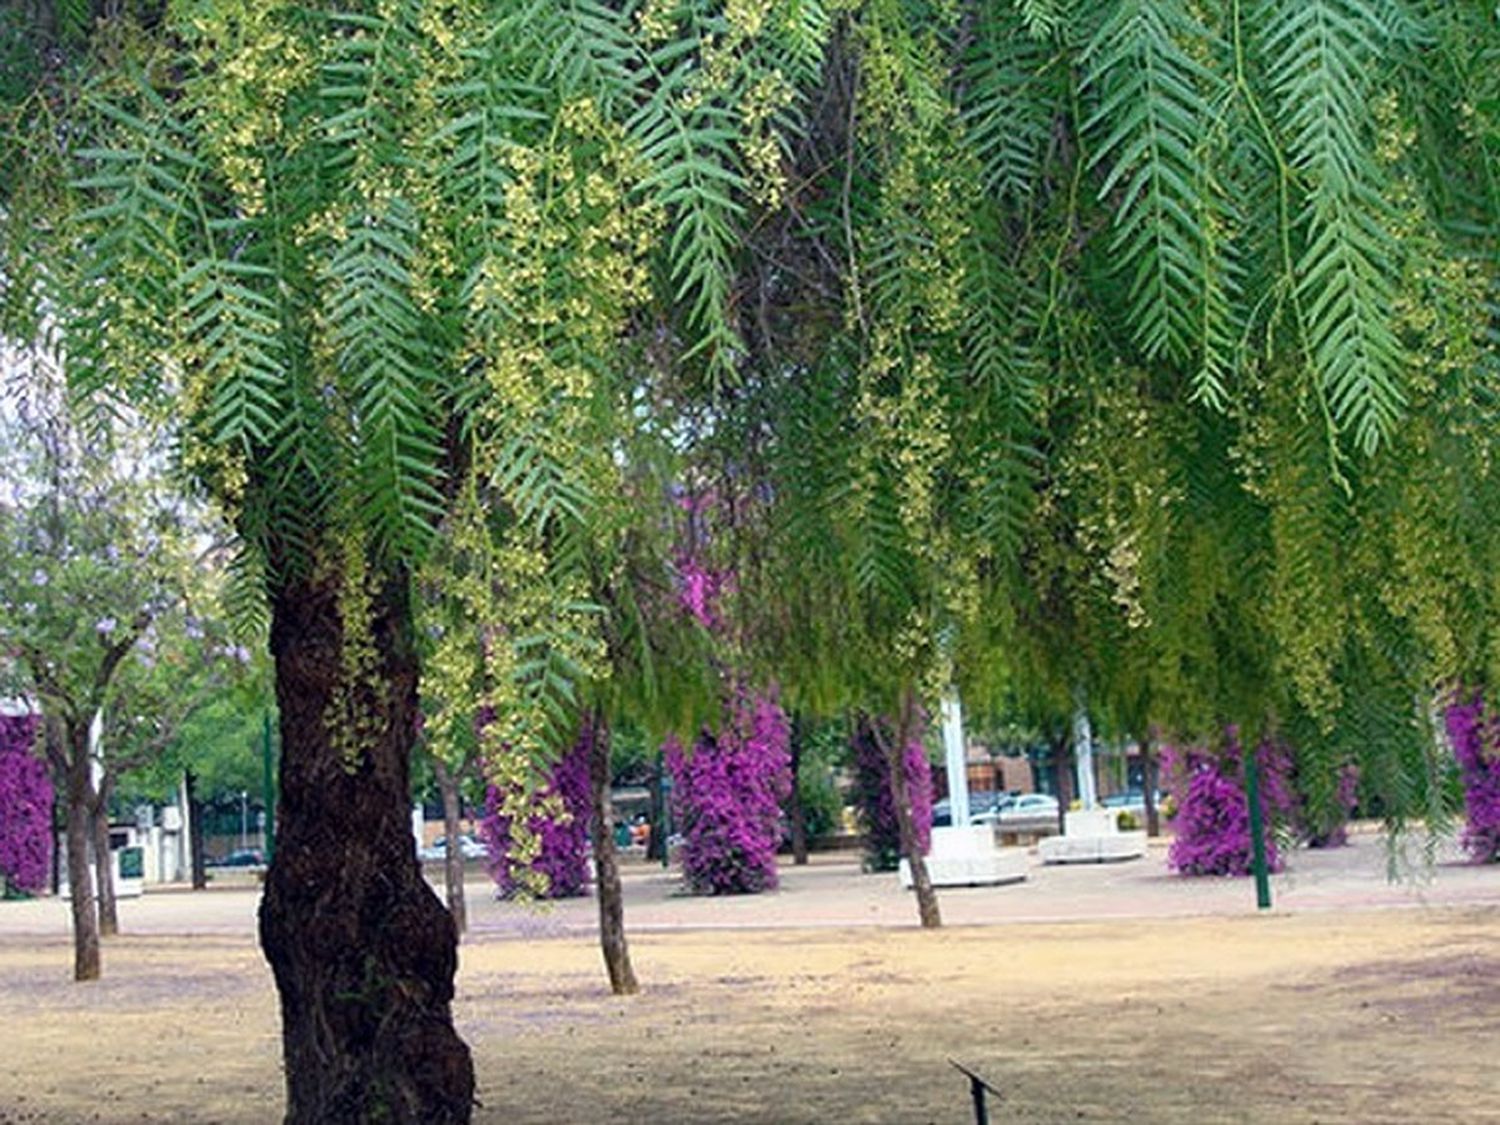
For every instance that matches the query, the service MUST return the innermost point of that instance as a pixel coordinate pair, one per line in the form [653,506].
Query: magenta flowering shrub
[25,807]
[872,793]
[1474,732]
[726,798]
[1212,822]
[564,855]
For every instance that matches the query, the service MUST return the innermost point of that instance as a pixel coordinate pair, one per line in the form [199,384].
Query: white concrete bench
[1092,836]
[1092,849]
[967,857]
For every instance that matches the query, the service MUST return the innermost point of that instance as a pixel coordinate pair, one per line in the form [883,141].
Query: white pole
[956,757]
[244,819]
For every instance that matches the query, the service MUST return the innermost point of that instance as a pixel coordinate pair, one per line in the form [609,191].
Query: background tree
[97,552]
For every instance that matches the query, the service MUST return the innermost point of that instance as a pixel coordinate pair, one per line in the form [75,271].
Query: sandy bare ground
[1353,1013]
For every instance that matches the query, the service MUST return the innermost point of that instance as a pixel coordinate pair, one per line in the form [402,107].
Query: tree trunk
[656,841]
[80,882]
[612,941]
[795,812]
[1149,770]
[362,951]
[1062,765]
[104,864]
[895,754]
[453,856]
[195,831]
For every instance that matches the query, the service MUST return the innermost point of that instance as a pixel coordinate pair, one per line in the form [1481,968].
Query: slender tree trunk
[895,755]
[795,812]
[612,941]
[453,858]
[1062,764]
[362,951]
[1149,770]
[80,881]
[656,841]
[195,831]
[104,861]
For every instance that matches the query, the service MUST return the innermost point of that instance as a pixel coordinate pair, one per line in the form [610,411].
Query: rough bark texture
[362,950]
[894,748]
[80,882]
[612,940]
[195,831]
[796,814]
[453,855]
[104,866]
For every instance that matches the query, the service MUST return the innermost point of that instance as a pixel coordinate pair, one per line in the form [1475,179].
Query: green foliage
[1136,347]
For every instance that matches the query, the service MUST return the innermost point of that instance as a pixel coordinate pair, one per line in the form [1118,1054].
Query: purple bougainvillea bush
[25,807]
[1212,822]
[1474,732]
[872,791]
[726,798]
[560,825]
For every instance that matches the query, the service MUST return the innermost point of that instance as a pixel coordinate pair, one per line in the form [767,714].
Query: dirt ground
[1357,1014]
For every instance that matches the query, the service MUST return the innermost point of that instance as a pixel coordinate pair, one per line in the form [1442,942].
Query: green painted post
[1257,833]
[268,785]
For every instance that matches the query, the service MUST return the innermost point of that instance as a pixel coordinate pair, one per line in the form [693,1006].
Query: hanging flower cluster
[872,790]
[1213,815]
[1474,732]
[726,798]
[700,587]
[558,824]
[25,807]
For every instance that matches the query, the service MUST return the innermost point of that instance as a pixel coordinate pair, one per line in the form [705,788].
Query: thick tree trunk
[895,754]
[104,863]
[612,941]
[195,831]
[80,881]
[362,950]
[795,812]
[453,858]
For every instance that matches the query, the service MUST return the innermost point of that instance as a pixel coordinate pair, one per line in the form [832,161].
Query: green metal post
[268,785]
[1257,833]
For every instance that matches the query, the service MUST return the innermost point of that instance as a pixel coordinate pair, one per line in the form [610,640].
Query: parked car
[468,847]
[985,807]
[1029,806]
[241,857]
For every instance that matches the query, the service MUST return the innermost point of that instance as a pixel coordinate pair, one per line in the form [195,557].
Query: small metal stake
[977,1088]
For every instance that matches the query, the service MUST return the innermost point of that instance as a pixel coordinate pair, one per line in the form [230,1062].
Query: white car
[468,847]
[1030,806]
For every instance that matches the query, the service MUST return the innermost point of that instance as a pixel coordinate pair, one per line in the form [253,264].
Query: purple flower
[872,780]
[105,626]
[726,797]
[1213,815]
[563,858]
[25,807]
[1474,732]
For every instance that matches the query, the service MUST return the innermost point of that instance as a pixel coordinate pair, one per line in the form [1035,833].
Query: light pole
[244,819]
